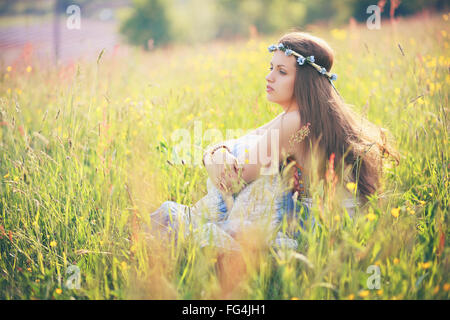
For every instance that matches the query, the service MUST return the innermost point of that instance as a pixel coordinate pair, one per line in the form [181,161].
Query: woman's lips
[269,89]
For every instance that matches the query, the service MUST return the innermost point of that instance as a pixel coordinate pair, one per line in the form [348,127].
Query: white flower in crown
[272,48]
[301,60]
[310,59]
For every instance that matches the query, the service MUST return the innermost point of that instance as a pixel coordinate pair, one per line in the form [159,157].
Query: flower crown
[301,61]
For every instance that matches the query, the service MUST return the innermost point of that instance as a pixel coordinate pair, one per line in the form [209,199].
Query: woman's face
[281,79]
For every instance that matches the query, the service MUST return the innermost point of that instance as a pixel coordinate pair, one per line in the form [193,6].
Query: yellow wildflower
[436,289]
[426,265]
[351,296]
[9,68]
[380,292]
[446,287]
[395,212]
[295,298]
[339,34]
[371,216]
[58,291]
[396,261]
[364,293]
[29,68]
[53,244]
[351,186]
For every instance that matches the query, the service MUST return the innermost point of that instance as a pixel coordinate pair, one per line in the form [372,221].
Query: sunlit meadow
[84,150]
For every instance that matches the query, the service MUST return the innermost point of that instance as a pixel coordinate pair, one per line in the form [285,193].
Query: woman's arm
[218,164]
[264,157]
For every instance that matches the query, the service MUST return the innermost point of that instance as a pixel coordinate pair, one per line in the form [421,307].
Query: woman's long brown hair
[335,127]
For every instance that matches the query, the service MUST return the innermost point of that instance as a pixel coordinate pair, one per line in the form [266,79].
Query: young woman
[315,130]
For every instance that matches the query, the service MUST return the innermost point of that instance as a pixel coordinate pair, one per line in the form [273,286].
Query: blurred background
[48,29]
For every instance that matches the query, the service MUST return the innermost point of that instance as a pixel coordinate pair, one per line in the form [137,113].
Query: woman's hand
[224,171]
[224,168]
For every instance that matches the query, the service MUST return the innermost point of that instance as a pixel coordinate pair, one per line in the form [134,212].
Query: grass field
[83,161]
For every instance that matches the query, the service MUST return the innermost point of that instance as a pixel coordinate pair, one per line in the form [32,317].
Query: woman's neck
[291,107]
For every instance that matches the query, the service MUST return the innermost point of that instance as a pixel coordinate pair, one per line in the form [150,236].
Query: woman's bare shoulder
[268,125]
[289,127]
[289,123]
[285,124]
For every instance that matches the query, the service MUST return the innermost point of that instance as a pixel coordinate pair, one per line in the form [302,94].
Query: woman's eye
[282,72]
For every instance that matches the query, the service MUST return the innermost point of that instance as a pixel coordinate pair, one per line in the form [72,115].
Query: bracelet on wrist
[214,150]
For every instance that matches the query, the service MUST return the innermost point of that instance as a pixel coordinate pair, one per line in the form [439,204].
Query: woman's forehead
[279,58]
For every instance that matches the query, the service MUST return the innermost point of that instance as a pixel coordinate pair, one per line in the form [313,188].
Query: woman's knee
[162,214]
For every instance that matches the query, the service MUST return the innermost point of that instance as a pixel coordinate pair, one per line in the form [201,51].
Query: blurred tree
[406,7]
[148,21]
[201,20]
[235,16]
[319,10]
[5,6]
[229,18]
[285,14]
[192,21]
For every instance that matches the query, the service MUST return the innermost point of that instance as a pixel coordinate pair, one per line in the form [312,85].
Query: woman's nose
[269,77]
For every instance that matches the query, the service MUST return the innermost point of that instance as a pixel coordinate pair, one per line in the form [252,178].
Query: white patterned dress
[263,202]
